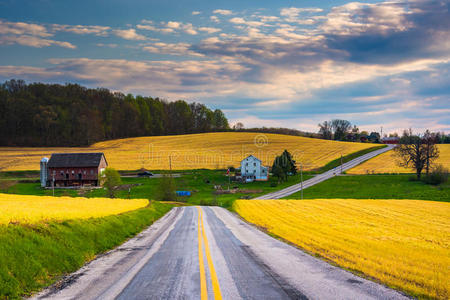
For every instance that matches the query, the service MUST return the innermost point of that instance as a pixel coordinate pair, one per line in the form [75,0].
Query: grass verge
[35,256]
[337,162]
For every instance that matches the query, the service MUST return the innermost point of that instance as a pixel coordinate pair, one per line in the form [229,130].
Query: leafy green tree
[112,181]
[288,163]
[166,189]
[278,170]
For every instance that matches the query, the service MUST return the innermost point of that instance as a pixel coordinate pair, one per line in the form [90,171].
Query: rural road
[207,252]
[323,176]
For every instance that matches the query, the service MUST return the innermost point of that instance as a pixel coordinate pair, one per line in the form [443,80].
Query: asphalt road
[324,176]
[207,252]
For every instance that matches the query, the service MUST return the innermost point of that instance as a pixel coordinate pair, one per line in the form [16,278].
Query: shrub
[166,189]
[438,175]
[273,184]
[112,181]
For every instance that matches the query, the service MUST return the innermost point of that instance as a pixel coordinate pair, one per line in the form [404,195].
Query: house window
[254,164]
[84,172]
[62,173]
[246,164]
[92,172]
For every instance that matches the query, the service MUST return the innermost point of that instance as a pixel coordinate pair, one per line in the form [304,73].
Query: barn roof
[63,160]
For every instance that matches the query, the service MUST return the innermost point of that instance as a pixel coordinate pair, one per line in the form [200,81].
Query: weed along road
[209,253]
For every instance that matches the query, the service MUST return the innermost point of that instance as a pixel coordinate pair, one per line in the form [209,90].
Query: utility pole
[53,184]
[170,166]
[341,163]
[301,179]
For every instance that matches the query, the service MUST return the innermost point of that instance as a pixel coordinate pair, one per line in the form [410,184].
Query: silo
[44,171]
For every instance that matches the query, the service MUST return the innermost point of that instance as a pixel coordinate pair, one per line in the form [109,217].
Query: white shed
[252,169]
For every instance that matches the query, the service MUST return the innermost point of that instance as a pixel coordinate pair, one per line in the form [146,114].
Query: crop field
[387,163]
[403,243]
[194,151]
[31,209]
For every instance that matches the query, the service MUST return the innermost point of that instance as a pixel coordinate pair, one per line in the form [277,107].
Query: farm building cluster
[85,169]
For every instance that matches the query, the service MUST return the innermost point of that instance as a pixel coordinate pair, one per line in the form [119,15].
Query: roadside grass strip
[203,244]
[36,255]
[388,163]
[31,209]
[192,151]
[404,244]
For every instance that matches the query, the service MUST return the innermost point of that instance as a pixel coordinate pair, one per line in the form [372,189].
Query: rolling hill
[192,151]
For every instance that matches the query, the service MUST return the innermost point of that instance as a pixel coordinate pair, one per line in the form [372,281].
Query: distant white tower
[44,171]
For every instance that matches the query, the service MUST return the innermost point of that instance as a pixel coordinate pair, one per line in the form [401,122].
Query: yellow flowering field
[387,163]
[32,209]
[192,151]
[403,243]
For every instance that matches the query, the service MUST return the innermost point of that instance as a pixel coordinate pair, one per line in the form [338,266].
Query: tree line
[39,114]
[343,130]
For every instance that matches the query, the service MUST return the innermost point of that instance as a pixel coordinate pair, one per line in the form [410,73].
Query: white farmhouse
[252,169]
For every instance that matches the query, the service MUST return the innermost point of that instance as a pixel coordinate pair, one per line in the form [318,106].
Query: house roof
[251,156]
[63,160]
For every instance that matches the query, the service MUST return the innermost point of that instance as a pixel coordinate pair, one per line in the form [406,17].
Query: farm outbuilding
[75,169]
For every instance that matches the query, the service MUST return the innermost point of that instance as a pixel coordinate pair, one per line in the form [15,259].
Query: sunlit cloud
[129,34]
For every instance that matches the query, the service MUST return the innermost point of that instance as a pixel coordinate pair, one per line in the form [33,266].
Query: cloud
[196,12]
[224,12]
[21,28]
[171,49]
[154,28]
[292,14]
[173,25]
[189,29]
[245,22]
[209,30]
[169,27]
[33,41]
[214,19]
[107,45]
[26,34]
[81,29]
[129,34]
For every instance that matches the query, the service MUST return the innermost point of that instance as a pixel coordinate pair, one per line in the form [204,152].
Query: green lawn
[199,182]
[34,256]
[375,187]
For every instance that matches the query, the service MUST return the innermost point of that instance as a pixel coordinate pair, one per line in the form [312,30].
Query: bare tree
[325,130]
[415,152]
[340,128]
[238,126]
[431,151]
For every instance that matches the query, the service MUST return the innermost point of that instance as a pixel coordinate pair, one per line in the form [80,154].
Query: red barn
[76,169]
[390,140]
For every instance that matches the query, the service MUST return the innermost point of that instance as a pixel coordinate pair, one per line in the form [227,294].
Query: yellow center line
[203,292]
[214,280]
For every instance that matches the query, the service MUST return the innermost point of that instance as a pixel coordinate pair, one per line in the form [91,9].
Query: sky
[264,63]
